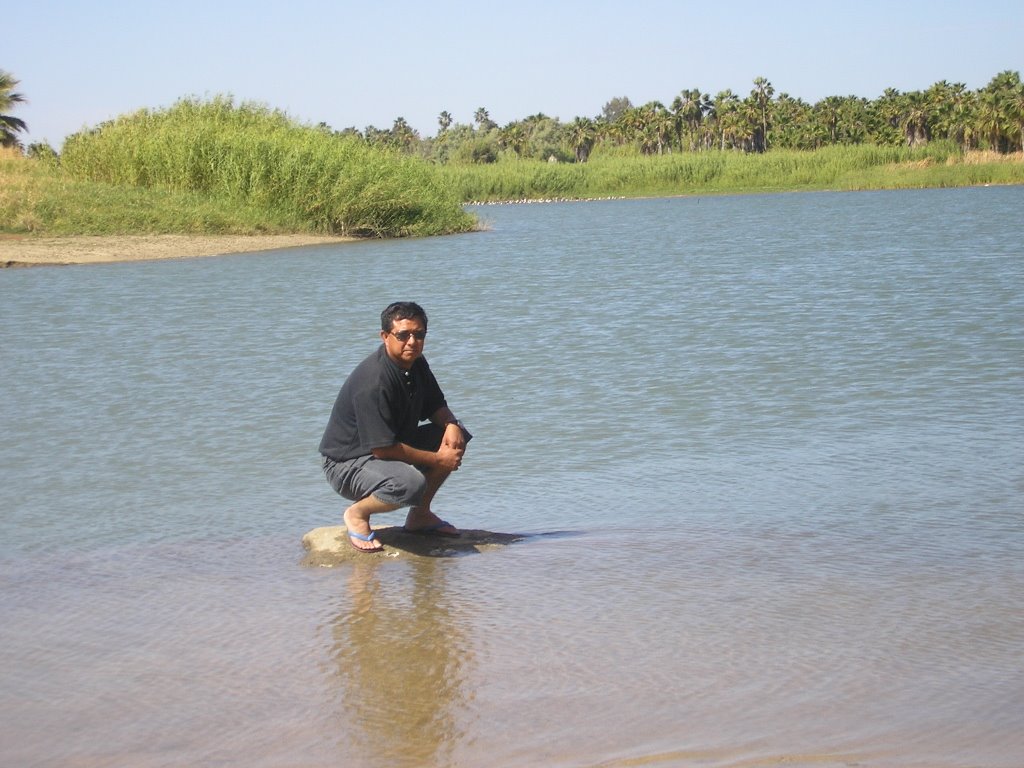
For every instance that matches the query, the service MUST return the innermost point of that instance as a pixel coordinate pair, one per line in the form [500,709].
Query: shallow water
[767,449]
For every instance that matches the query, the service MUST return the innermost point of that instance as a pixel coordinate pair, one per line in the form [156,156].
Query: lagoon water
[769,452]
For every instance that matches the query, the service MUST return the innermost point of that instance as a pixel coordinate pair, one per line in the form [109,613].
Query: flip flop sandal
[371,537]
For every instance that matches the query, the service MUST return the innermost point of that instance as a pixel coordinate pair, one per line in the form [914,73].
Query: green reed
[715,172]
[322,181]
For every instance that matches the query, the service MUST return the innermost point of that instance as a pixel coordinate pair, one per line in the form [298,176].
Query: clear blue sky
[365,63]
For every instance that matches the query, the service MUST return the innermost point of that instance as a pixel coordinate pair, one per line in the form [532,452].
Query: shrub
[334,183]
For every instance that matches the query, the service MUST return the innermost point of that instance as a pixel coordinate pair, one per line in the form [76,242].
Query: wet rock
[329,546]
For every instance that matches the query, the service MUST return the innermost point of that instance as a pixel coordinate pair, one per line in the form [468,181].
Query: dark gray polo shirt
[380,405]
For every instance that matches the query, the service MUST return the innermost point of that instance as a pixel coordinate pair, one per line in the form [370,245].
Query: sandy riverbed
[16,251]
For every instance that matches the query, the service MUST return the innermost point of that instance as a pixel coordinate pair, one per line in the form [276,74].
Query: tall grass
[320,181]
[37,196]
[216,168]
[838,168]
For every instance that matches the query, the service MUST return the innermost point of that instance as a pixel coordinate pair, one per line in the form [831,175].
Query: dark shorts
[393,482]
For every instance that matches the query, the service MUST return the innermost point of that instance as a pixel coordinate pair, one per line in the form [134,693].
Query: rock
[329,546]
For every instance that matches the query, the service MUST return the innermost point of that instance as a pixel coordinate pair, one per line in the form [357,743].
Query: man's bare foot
[360,534]
[424,521]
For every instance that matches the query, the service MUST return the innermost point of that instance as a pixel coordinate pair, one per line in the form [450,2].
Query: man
[375,451]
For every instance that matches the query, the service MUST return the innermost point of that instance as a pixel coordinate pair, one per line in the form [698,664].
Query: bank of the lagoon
[26,251]
[42,204]
[214,168]
[858,168]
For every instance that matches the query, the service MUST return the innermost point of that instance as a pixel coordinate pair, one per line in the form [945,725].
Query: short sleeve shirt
[380,404]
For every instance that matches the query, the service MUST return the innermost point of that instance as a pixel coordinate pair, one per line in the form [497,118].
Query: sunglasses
[403,336]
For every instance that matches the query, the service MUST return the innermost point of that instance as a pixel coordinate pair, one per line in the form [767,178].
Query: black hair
[402,310]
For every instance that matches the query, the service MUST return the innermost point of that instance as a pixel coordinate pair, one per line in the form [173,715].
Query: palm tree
[1001,97]
[662,124]
[887,112]
[749,126]
[727,116]
[376,137]
[762,97]
[709,126]
[631,126]
[828,113]
[513,136]
[444,120]
[1015,108]
[483,121]
[403,134]
[9,125]
[915,119]
[650,126]
[793,124]
[842,120]
[990,118]
[689,109]
[581,138]
[616,131]
[951,106]
[939,104]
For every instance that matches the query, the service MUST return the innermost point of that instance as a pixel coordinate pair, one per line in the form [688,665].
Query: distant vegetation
[323,182]
[214,167]
[10,125]
[990,118]
[832,168]
[37,196]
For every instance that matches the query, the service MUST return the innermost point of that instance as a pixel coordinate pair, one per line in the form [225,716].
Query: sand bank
[18,251]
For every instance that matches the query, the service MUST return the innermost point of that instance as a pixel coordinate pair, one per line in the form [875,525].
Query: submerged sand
[23,251]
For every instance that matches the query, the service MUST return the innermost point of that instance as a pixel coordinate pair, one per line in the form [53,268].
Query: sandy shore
[18,251]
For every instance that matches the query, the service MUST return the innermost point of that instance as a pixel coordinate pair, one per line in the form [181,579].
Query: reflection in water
[403,661]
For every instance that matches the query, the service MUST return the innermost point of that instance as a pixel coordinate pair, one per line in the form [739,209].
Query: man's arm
[446,457]
[454,433]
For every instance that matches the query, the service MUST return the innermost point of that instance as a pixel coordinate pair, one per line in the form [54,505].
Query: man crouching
[375,451]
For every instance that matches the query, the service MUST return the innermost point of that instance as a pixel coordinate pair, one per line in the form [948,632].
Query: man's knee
[408,486]
[392,482]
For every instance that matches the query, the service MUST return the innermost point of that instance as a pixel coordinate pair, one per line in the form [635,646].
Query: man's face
[404,352]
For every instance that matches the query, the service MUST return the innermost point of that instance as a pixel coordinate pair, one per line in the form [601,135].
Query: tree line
[990,118]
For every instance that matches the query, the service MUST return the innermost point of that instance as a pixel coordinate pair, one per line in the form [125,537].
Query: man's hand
[449,457]
[454,437]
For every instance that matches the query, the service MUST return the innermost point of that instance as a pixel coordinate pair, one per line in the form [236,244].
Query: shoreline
[34,251]
[30,251]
